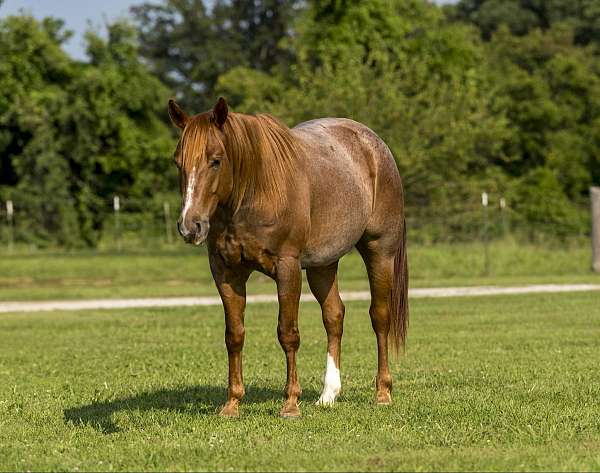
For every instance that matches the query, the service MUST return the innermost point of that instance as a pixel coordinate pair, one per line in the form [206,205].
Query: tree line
[494,95]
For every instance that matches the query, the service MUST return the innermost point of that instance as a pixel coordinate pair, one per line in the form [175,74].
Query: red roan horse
[268,198]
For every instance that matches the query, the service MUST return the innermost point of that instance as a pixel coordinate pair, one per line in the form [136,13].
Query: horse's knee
[234,338]
[289,338]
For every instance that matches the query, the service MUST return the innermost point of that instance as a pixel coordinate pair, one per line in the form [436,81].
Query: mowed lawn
[489,383]
[185,271]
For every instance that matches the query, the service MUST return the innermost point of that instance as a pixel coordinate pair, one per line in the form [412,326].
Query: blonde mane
[262,151]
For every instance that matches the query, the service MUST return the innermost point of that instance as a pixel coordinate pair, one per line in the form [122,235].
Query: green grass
[495,383]
[185,273]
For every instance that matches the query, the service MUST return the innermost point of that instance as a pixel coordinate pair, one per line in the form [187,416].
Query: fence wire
[134,224]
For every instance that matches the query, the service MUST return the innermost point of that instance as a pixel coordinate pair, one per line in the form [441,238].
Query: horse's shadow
[198,400]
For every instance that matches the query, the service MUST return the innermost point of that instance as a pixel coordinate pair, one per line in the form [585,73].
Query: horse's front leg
[289,285]
[231,283]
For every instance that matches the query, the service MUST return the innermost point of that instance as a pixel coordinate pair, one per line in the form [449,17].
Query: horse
[276,200]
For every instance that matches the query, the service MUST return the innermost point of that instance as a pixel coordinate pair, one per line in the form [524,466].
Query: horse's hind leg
[323,284]
[380,268]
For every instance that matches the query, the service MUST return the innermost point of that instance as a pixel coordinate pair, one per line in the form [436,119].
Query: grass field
[494,383]
[185,272]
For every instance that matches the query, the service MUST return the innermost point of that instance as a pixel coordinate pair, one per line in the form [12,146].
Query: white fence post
[167,212]
[486,242]
[504,217]
[117,209]
[10,210]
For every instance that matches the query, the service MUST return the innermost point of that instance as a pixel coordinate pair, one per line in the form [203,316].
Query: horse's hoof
[290,412]
[384,399]
[230,411]
[326,399]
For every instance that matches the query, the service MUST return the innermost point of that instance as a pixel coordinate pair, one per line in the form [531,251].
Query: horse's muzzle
[197,234]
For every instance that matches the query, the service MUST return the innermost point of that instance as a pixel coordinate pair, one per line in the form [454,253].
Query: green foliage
[493,383]
[75,134]
[34,73]
[188,44]
[484,95]
[521,16]
[408,75]
[185,272]
[538,197]
[549,90]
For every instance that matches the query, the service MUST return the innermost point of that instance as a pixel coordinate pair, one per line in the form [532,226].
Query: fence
[132,225]
[127,224]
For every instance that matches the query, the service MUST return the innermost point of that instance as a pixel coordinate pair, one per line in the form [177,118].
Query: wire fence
[134,225]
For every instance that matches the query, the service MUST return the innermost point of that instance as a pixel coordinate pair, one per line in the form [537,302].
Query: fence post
[504,217]
[167,211]
[595,205]
[10,210]
[117,208]
[484,203]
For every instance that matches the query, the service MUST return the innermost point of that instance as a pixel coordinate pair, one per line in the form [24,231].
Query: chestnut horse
[277,200]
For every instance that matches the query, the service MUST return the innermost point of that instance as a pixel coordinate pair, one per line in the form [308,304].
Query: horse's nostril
[198,226]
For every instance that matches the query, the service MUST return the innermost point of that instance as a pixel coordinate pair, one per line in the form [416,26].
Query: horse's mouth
[198,239]
[195,239]
[200,236]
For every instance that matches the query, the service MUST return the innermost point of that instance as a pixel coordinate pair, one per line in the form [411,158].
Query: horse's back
[355,187]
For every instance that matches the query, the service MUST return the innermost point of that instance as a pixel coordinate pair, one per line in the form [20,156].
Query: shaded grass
[495,383]
[186,273]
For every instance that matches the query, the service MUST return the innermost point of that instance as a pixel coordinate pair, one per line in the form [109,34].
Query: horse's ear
[220,112]
[178,116]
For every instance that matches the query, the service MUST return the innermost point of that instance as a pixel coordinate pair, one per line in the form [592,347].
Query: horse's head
[205,173]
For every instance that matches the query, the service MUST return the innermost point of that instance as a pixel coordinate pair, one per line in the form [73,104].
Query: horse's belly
[337,223]
[324,255]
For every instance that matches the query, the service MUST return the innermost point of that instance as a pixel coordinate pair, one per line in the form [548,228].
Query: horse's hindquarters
[354,187]
[341,206]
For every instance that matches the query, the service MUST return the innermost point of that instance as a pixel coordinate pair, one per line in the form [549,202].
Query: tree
[73,134]
[188,45]
[33,75]
[550,92]
[118,142]
[398,68]
[521,16]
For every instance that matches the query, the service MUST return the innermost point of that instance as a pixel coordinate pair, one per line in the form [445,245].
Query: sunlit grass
[186,272]
[495,383]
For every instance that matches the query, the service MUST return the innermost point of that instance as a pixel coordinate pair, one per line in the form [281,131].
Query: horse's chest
[245,251]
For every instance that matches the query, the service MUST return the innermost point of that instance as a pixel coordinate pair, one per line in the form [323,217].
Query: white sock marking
[332,383]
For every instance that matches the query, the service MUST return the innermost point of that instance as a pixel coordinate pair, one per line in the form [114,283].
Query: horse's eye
[215,163]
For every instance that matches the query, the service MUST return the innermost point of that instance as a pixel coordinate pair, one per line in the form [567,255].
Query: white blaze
[189,195]
[332,383]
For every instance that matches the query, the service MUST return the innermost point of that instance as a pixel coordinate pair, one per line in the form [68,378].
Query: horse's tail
[398,304]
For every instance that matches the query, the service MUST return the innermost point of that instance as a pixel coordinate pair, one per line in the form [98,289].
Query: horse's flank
[263,153]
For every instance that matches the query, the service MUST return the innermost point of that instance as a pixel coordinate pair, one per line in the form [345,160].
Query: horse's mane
[262,151]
